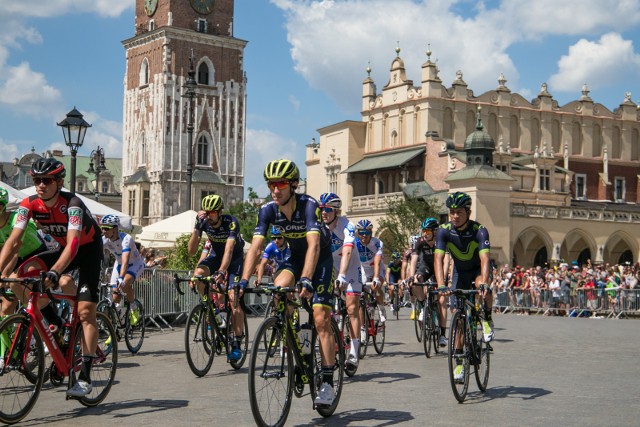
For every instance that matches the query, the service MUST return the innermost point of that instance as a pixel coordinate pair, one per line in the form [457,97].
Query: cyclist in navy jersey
[297,217]
[394,277]
[276,252]
[66,218]
[225,256]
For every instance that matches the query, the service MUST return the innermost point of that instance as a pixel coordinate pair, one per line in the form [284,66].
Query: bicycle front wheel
[459,359]
[338,370]
[362,350]
[396,302]
[350,370]
[243,341]
[270,375]
[134,333]
[482,358]
[22,373]
[418,324]
[379,328]
[427,333]
[199,340]
[105,362]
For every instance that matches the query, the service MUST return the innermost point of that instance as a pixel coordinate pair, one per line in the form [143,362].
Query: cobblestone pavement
[544,371]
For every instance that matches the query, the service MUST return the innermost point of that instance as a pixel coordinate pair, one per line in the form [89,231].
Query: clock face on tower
[150,6]
[202,6]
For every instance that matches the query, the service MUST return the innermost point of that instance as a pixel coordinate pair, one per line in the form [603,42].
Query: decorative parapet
[582,214]
[363,203]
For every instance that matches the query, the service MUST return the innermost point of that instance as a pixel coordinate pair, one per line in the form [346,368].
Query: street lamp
[190,93]
[74,128]
[97,158]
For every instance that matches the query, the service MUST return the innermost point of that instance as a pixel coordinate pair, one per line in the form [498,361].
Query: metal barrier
[605,302]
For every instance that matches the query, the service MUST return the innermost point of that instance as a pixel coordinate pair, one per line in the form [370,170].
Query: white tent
[15,196]
[163,234]
[97,209]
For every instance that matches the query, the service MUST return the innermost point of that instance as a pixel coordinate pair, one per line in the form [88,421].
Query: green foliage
[179,258]
[404,217]
[247,215]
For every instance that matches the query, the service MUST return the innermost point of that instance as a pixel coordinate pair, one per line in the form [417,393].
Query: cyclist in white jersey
[129,263]
[346,266]
[371,265]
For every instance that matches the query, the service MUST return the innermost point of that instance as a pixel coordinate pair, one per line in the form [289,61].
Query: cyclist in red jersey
[66,218]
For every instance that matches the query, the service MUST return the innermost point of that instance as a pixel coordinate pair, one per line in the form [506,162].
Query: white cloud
[9,150]
[600,63]
[49,8]
[262,147]
[27,91]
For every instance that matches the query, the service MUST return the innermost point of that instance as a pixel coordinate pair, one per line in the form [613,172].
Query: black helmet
[458,200]
[48,166]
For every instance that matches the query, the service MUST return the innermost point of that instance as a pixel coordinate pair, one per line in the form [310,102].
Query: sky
[306,59]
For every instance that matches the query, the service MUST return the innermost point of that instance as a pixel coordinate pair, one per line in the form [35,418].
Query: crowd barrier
[609,303]
[165,307]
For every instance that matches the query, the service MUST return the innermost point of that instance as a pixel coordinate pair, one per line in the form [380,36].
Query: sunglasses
[277,238]
[45,181]
[364,233]
[107,228]
[280,185]
[210,212]
[327,210]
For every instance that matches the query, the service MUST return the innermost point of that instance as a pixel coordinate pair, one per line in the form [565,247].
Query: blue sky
[306,60]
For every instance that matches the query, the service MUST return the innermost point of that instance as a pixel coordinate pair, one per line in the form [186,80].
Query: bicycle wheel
[427,333]
[459,386]
[105,363]
[482,357]
[362,350]
[199,339]
[134,334]
[338,370]
[268,311]
[350,370]
[270,375]
[418,324]
[396,302]
[242,340]
[379,330]
[22,374]
[435,327]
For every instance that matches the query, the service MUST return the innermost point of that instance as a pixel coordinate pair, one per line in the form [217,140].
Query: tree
[178,258]
[247,215]
[403,219]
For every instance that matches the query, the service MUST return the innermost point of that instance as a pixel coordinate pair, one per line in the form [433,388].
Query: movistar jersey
[463,246]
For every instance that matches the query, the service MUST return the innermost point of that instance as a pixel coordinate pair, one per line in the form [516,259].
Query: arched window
[535,133]
[576,138]
[394,138]
[555,137]
[447,125]
[203,74]
[142,151]
[514,132]
[105,187]
[203,151]
[597,141]
[635,148]
[616,144]
[144,72]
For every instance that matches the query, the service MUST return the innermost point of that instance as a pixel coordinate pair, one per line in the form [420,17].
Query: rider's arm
[194,241]
[485,266]
[9,253]
[228,252]
[252,256]
[344,259]
[313,252]
[438,266]
[260,269]
[414,263]
[69,252]
[125,263]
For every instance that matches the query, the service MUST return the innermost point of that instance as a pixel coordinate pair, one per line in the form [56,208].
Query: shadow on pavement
[524,393]
[356,417]
[382,377]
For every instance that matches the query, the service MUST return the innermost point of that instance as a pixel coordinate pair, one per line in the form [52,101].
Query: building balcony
[373,202]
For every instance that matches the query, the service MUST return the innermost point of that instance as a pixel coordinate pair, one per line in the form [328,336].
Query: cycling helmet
[395,255]
[275,231]
[330,200]
[430,223]
[4,197]
[413,240]
[281,169]
[109,221]
[458,200]
[212,202]
[48,166]
[364,224]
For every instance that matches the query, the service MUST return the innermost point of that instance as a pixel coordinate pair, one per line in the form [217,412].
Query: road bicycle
[280,366]
[122,317]
[395,303]
[206,333]
[428,311]
[372,322]
[466,326]
[341,316]
[22,356]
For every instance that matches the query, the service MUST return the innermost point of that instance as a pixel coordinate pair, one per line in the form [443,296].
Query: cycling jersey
[69,213]
[31,241]
[229,229]
[425,253]
[394,271]
[367,255]
[278,255]
[123,244]
[343,235]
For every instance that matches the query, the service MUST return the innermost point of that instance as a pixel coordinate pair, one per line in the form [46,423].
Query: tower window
[581,186]
[152,25]
[201,25]
[203,74]
[144,72]
[619,188]
[203,150]
[545,180]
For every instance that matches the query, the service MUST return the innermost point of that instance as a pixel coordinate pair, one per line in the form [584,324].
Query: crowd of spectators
[565,290]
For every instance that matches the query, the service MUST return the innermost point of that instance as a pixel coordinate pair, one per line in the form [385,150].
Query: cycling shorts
[322,279]
[133,269]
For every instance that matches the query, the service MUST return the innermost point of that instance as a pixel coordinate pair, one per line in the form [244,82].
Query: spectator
[153,261]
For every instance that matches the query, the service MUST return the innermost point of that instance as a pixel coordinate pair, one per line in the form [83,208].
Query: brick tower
[170,37]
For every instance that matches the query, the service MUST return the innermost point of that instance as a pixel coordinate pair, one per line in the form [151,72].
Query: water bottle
[304,338]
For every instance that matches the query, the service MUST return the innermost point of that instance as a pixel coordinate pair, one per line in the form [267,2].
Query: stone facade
[156,112]
[573,187]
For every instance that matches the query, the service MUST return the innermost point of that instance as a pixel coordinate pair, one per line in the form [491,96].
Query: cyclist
[406,271]
[394,277]
[422,269]
[277,252]
[66,218]
[346,266]
[297,217]
[225,258]
[372,268]
[467,242]
[128,265]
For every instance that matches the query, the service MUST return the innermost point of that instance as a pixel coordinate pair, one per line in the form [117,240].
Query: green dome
[479,139]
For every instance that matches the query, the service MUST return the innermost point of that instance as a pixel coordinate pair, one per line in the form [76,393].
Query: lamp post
[97,159]
[189,89]
[74,128]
